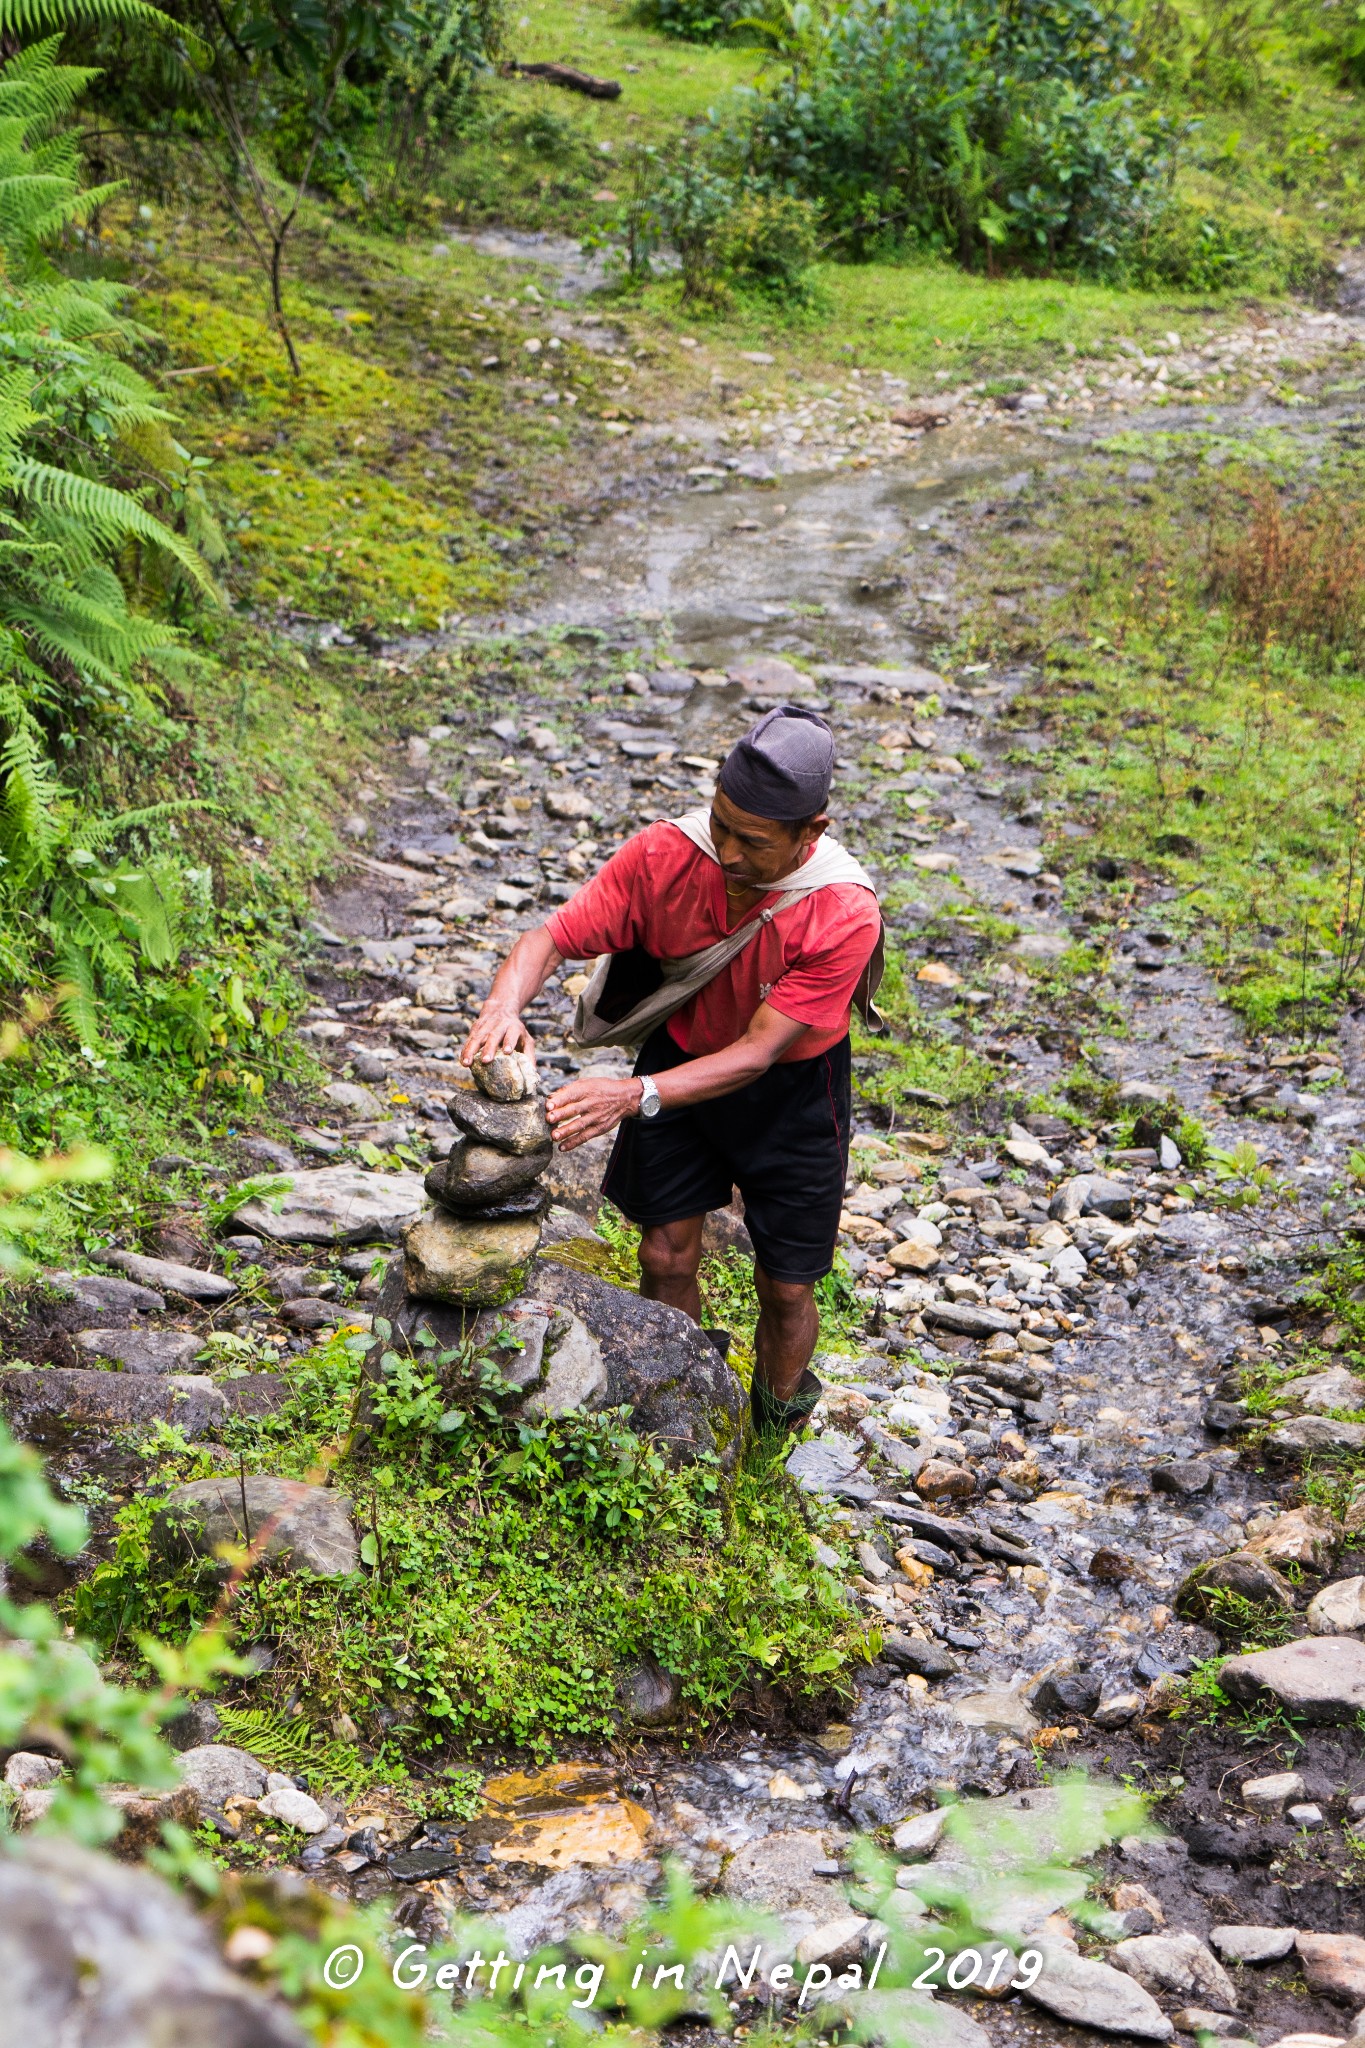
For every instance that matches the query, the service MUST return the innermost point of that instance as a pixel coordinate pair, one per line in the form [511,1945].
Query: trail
[845,568]
[1094,1434]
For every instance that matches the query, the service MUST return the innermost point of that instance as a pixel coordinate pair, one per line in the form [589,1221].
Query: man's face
[755,852]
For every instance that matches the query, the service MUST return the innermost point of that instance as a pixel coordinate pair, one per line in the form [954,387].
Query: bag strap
[688,976]
[682,979]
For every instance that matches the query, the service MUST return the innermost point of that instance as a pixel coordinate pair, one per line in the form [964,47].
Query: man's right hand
[496,1030]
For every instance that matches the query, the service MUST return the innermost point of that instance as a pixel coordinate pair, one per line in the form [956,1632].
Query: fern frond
[109,512]
[76,994]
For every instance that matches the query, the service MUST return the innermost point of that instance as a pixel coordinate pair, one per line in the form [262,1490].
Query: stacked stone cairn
[473,1248]
[467,1259]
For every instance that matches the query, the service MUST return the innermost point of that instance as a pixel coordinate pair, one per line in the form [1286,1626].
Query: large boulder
[468,1259]
[308,1529]
[338,1205]
[93,1952]
[659,1364]
[574,1179]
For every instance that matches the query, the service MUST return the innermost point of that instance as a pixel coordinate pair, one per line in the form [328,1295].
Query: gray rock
[1201,2019]
[575,1379]
[508,1076]
[308,1529]
[54,1405]
[902,2019]
[472,1175]
[102,1294]
[95,1954]
[284,1802]
[339,1205]
[1321,1678]
[965,1319]
[650,1696]
[919,1836]
[470,1260]
[1118,1710]
[1252,1944]
[1183,1477]
[1339,1609]
[1321,1391]
[1316,1434]
[266,1155]
[819,1465]
[1093,1995]
[510,1126]
[778,1872]
[1240,1572]
[1270,1795]
[141,1350]
[193,1726]
[1177,1965]
[219,1771]
[575,1178]
[352,1098]
[1067,1696]
[27,1771]
[659,1364]
[920,1654]
[166,1277]
[1068,1201]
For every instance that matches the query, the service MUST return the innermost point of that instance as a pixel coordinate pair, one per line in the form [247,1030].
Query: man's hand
[587,1108]
[496,1029]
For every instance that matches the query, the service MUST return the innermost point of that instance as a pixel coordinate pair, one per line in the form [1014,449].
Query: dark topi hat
[783,767]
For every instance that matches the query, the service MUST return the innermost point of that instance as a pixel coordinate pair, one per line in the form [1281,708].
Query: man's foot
[720,1339]
[779,1418]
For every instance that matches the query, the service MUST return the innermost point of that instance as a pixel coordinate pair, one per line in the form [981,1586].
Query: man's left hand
[588,1108]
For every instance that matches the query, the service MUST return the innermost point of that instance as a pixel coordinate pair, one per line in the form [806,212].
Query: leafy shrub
[1208,248]
[1018,135]
[692,21]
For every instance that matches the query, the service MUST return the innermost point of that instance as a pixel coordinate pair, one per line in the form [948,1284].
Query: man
[748,1082]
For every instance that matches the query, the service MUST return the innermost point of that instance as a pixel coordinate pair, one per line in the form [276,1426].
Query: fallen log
[573,81]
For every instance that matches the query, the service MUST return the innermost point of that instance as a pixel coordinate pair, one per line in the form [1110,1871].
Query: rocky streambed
[1036,1473]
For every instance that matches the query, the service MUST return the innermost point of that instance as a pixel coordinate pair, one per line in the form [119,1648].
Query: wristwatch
[651,1102]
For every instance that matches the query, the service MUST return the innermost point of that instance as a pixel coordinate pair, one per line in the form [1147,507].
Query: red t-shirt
[662,893]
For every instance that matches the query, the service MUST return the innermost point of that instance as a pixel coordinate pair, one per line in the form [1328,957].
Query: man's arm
[586,1108]
[523,974]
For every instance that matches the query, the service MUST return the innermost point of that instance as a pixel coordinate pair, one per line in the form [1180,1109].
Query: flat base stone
[338,1205]
[1321,1678]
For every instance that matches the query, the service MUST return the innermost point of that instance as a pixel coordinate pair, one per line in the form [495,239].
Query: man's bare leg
[670,1254]
[788,1325]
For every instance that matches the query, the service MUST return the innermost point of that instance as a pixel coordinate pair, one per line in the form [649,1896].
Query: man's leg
[670,1254]
[788,1325]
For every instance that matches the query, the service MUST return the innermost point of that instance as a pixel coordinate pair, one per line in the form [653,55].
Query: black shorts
[782,1140]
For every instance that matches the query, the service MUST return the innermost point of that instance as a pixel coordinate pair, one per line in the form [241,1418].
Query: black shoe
[722,1340]
[772,1417]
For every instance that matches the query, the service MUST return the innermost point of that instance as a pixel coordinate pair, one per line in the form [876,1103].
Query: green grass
[1188,751]
[510,1574]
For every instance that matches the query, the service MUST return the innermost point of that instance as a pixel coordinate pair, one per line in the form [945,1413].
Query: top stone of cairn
[507,1077]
